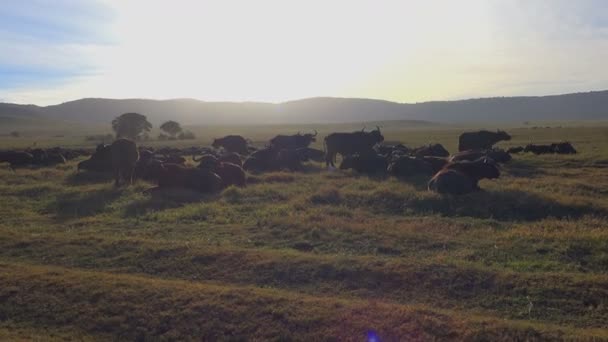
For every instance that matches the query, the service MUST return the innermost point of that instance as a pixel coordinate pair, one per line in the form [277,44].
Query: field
[317,255]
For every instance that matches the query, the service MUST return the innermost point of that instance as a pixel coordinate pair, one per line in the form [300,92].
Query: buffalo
[407,166]
[563,148]
[370,163]
[481,140]
[233,158]
[179,176]
[459,178]
[476,170]
[431,150]
[292,142]
[516,149]
[16,158]
[451,182]
[539,149]
[232,143]
[124,159]
[100,160]
[497,155]
[231,174]
[350,143]
[307,153]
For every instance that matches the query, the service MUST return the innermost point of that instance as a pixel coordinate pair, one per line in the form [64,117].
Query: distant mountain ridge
[577,106]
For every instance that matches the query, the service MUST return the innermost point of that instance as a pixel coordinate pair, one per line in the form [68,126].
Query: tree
[131,125]
[171,127]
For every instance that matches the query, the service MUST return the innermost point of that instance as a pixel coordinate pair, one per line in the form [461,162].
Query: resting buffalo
[497,155]
[232,143]
[179,176]
[307,153]
[539,149]
[16,158]
[100,161]
[233,158]
[563,148]
[451,182]
[124,159]
[292,142]
[462,177]
[517,149]
[432,150]
[476,170]
[350,143]
[370,163]
[407,166]
[437,163]
[262,160]
[231,174]
[482,140]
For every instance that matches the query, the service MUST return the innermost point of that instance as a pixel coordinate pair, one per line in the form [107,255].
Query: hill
[579,106]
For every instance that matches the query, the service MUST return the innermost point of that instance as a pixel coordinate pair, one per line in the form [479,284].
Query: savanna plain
[313,255]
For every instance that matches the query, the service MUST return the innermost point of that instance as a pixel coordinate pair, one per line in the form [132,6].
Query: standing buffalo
[292,142]
[124,159]
[350,143]
[232,143]
[481,140]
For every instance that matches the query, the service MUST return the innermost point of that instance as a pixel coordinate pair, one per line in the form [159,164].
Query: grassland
[316,255]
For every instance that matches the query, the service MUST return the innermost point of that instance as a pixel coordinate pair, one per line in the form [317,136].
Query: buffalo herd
[225,163]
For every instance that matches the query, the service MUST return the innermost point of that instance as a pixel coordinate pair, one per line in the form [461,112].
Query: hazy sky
[53,51]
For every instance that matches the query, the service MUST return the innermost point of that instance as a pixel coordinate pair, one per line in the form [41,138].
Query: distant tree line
[136,126]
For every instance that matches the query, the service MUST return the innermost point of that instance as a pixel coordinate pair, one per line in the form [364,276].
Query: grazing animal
[124,159]
[206,161]
[497,155]
[481,140]
[451,182]
[292,142]
[232,143]
[350,143]
[370,163]
[16,158]
[432,150]
[407,166]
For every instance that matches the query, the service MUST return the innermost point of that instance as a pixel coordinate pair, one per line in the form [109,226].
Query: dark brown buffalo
[347,144]
[563,148]
[231,174]
[451,182]
[370,163]
[481,140]
[232,143]
[124,156]
[233,158]
[292,142]
[262,160]
[431,150]
[206,161]
[16,159]
[476,170]
[437,163]
[307,154]
[539,149]
[179,176]
[497,155]
[407,166]
[516,149]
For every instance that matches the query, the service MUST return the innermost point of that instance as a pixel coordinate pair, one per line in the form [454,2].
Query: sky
[53,51]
